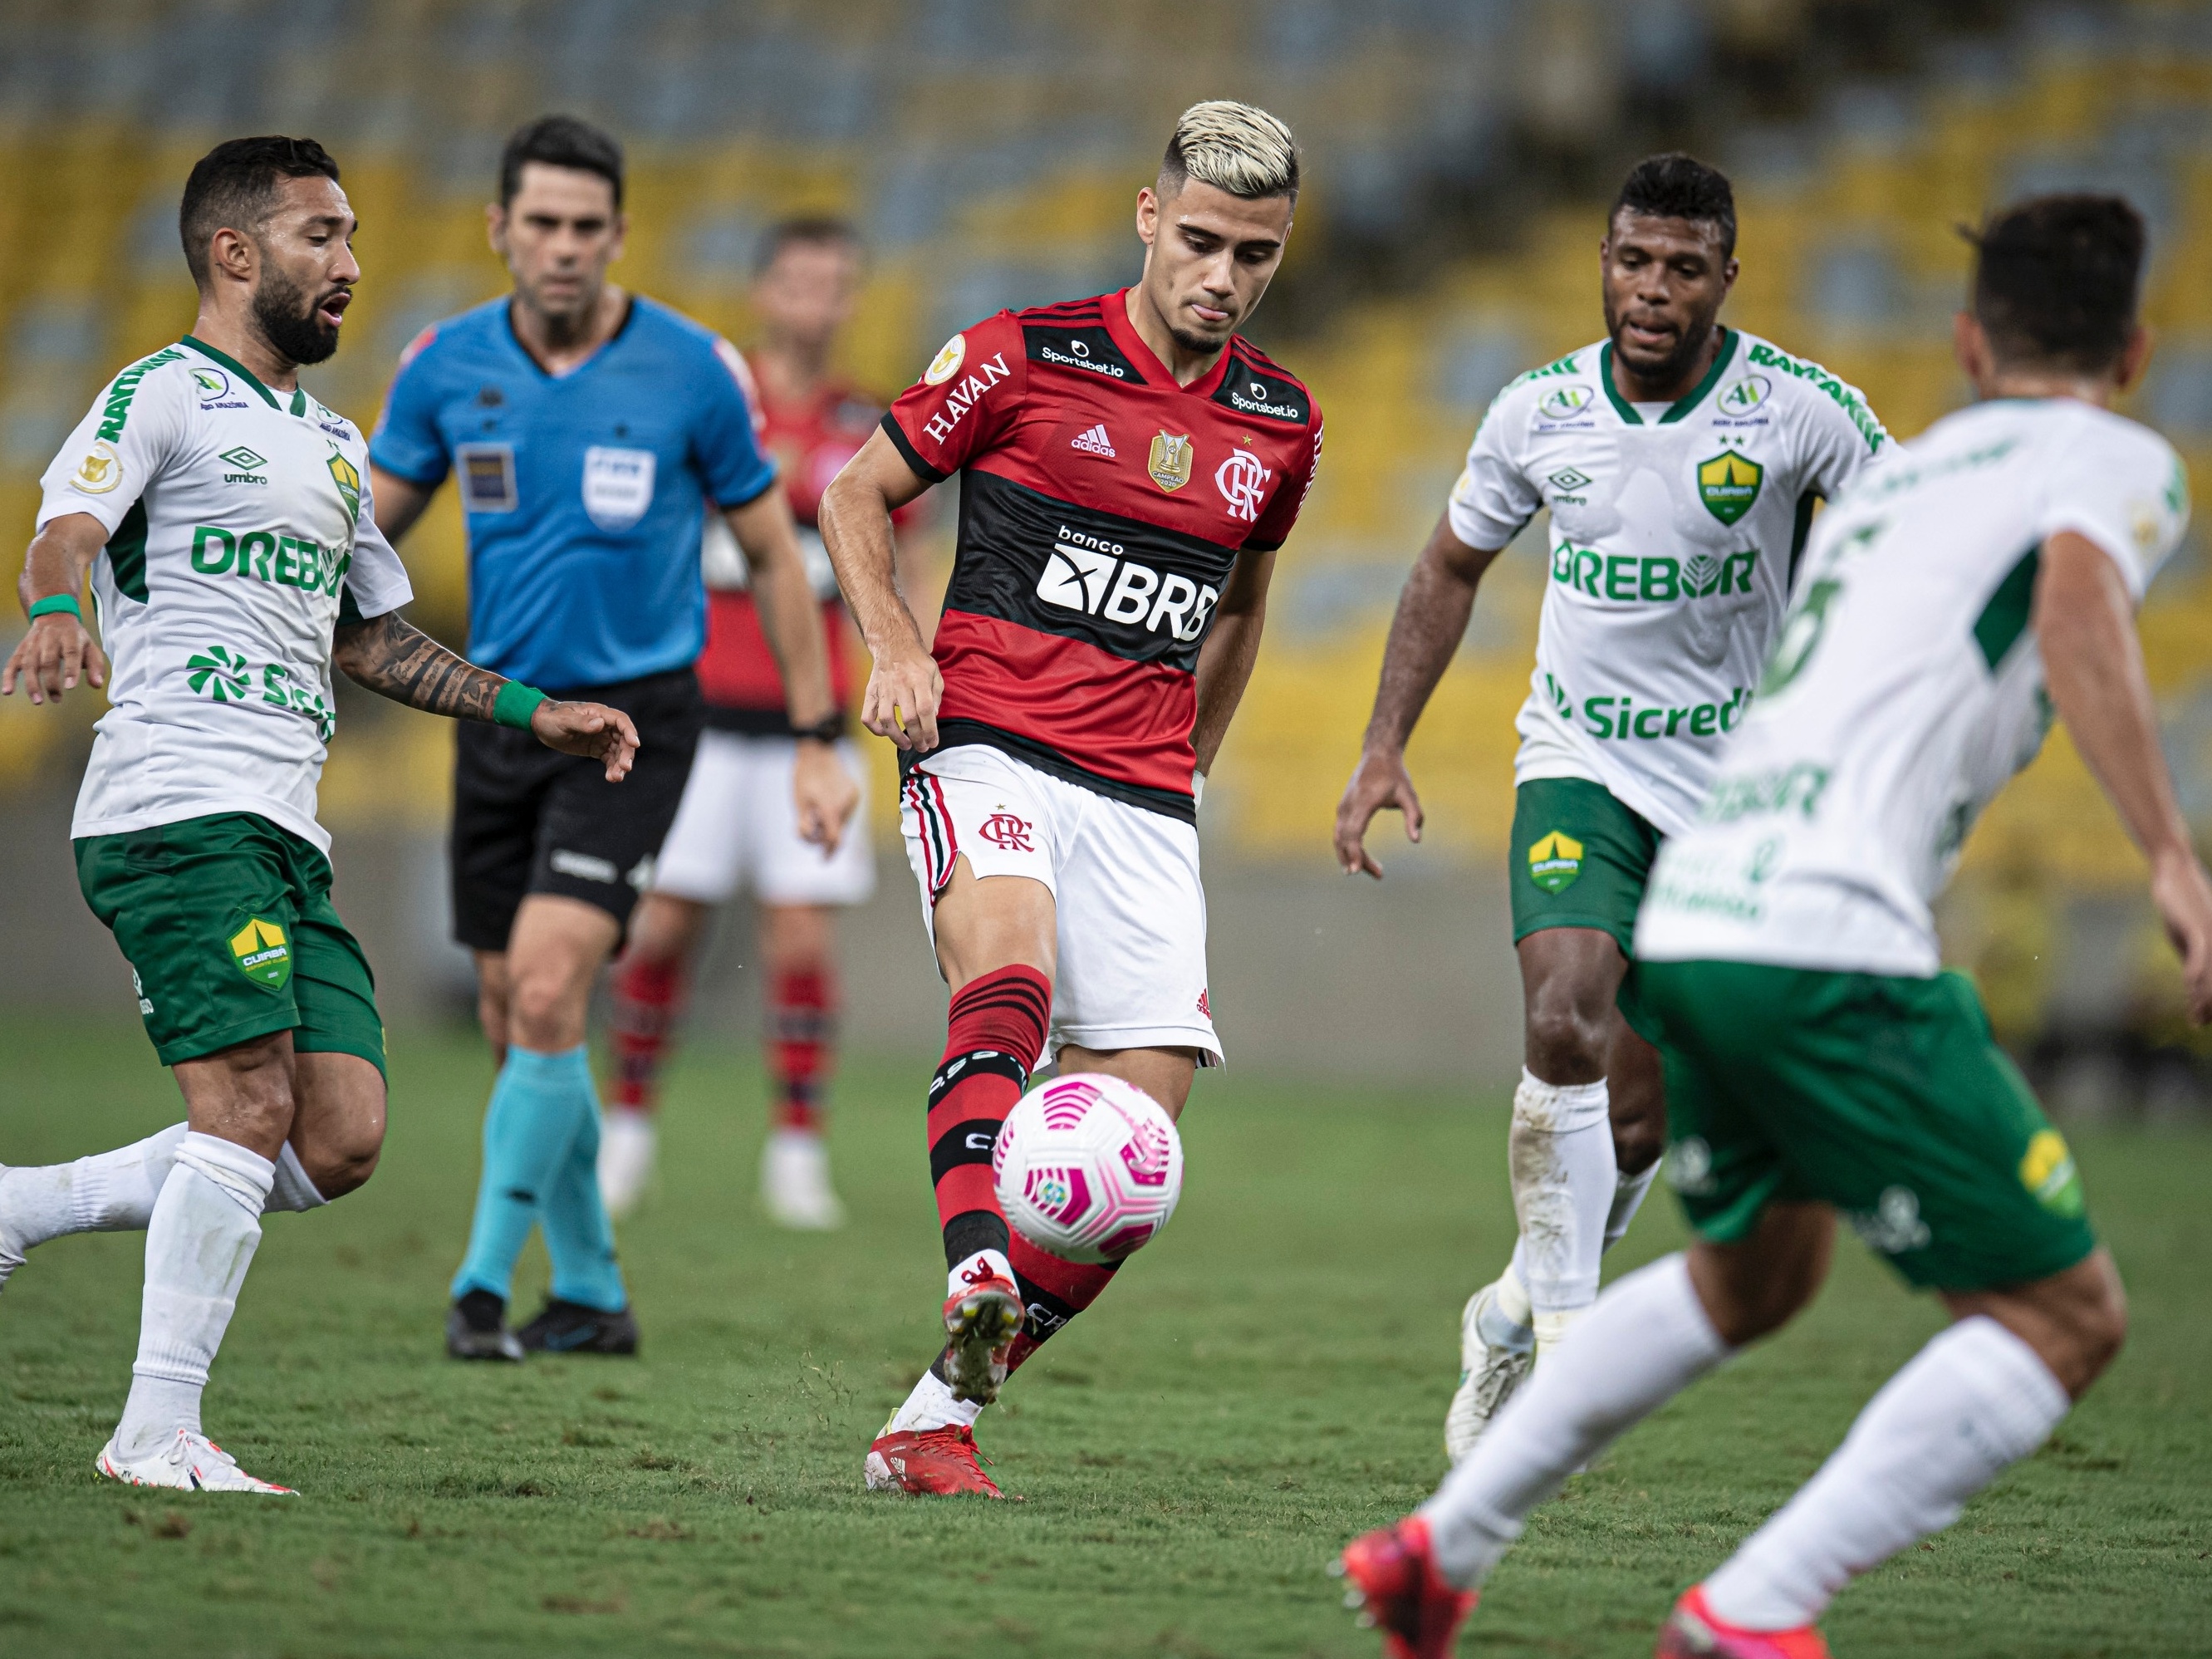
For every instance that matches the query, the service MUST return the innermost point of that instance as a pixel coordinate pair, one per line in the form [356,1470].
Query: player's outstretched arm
[58,651]
[791,619]
[2093,663]
[905,688]
[394,659]
[1431,619]
[1225,660]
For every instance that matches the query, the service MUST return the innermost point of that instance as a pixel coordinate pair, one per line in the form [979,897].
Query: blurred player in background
[738,825]
[1681,460]
[589,427]
[1129,464]
[1818,1057]
[220,514]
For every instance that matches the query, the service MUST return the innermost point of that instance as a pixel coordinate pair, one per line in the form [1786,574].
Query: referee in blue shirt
[589,428]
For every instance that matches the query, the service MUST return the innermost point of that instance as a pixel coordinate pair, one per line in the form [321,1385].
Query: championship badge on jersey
[1170,462]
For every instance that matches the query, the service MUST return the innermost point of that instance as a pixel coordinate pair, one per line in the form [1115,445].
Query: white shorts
[738,825]
[1124,881]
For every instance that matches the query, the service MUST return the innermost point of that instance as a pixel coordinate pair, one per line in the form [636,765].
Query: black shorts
[527,819]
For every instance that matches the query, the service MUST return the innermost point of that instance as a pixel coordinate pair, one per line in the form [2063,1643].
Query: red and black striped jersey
[1103,507]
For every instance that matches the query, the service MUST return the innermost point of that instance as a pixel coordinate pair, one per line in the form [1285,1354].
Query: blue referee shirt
[585,495]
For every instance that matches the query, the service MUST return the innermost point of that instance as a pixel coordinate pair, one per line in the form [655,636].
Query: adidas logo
[1094,442]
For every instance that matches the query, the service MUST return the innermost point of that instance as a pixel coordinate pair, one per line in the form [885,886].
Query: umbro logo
[242,457]
[1094,442]
[1568,478]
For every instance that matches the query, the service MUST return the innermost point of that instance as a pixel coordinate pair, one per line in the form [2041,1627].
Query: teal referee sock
[579,1235]
[541,1106]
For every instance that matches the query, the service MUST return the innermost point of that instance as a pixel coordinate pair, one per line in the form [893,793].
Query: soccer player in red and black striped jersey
[1129,466]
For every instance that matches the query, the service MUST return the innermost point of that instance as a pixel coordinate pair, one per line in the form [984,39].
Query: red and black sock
[802,1032]
[649,998]
[996,1027]
[1053,1292]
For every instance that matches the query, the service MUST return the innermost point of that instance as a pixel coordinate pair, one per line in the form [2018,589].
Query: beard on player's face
[1691,332]
[290,317]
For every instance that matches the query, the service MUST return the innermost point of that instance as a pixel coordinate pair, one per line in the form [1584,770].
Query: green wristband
[515,704]
[54,605]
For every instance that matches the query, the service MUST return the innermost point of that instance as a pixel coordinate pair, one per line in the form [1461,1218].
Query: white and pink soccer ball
[1088,1167]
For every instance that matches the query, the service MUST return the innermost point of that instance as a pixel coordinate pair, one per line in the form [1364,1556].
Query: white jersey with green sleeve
[1674,532]
[1906,689]
[239,525]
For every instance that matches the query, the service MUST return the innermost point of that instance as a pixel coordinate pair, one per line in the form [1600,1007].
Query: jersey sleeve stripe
[920,468]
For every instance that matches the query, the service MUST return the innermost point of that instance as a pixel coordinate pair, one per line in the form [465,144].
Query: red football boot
[1692,1631]
[939,1460]
[1394,1578]
[982,1323]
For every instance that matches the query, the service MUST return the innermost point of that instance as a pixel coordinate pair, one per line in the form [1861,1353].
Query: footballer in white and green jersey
[1906,689]
[240,527]
[1675,530]
[221,517]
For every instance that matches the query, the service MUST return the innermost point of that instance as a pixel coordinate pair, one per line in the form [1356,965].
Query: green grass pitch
[1266,1381]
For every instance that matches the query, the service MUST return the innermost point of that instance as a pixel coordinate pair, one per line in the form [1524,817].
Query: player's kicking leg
[997,943]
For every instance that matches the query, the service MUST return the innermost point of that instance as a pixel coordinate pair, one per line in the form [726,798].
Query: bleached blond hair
[1233,147]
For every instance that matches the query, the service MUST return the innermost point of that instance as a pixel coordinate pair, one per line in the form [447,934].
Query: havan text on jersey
[1104,509]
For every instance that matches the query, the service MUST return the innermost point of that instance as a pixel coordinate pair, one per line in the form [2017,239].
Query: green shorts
[1884,1096]
[1579,859]
[230,932]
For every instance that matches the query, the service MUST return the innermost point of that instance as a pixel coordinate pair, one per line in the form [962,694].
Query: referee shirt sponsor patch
[487,477]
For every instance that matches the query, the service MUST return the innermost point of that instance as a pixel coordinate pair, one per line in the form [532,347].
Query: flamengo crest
[1242,481]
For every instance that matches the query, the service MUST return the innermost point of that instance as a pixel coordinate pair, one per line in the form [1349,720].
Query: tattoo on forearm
[396,659]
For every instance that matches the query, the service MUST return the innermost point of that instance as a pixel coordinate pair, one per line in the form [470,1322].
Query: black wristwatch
[828,729]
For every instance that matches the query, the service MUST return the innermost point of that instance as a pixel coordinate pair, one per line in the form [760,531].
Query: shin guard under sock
[995,1031]
[649,998]
[802,1029]
[1053,1292]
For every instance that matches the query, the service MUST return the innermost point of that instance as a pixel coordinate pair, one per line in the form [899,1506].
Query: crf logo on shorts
[1243,482]
[1005,830]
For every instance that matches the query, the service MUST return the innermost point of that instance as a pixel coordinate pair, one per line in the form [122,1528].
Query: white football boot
[626,1151]
[795,1187]
[192,1462]
[1488,1371]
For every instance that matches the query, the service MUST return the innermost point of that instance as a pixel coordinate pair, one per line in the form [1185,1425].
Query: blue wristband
[516,703]
[54,605]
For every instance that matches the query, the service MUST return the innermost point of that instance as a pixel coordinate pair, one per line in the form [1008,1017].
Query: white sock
[1513,1292]
[291,1189]
[1628,1192]
[932,1405]
[199,1243]
[1563,1178]
[982,1264]
[1975,1400]
[106,1193]
[1646,1340]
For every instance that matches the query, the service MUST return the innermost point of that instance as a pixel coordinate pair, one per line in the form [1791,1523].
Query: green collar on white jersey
[299,393]
[1626,410]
